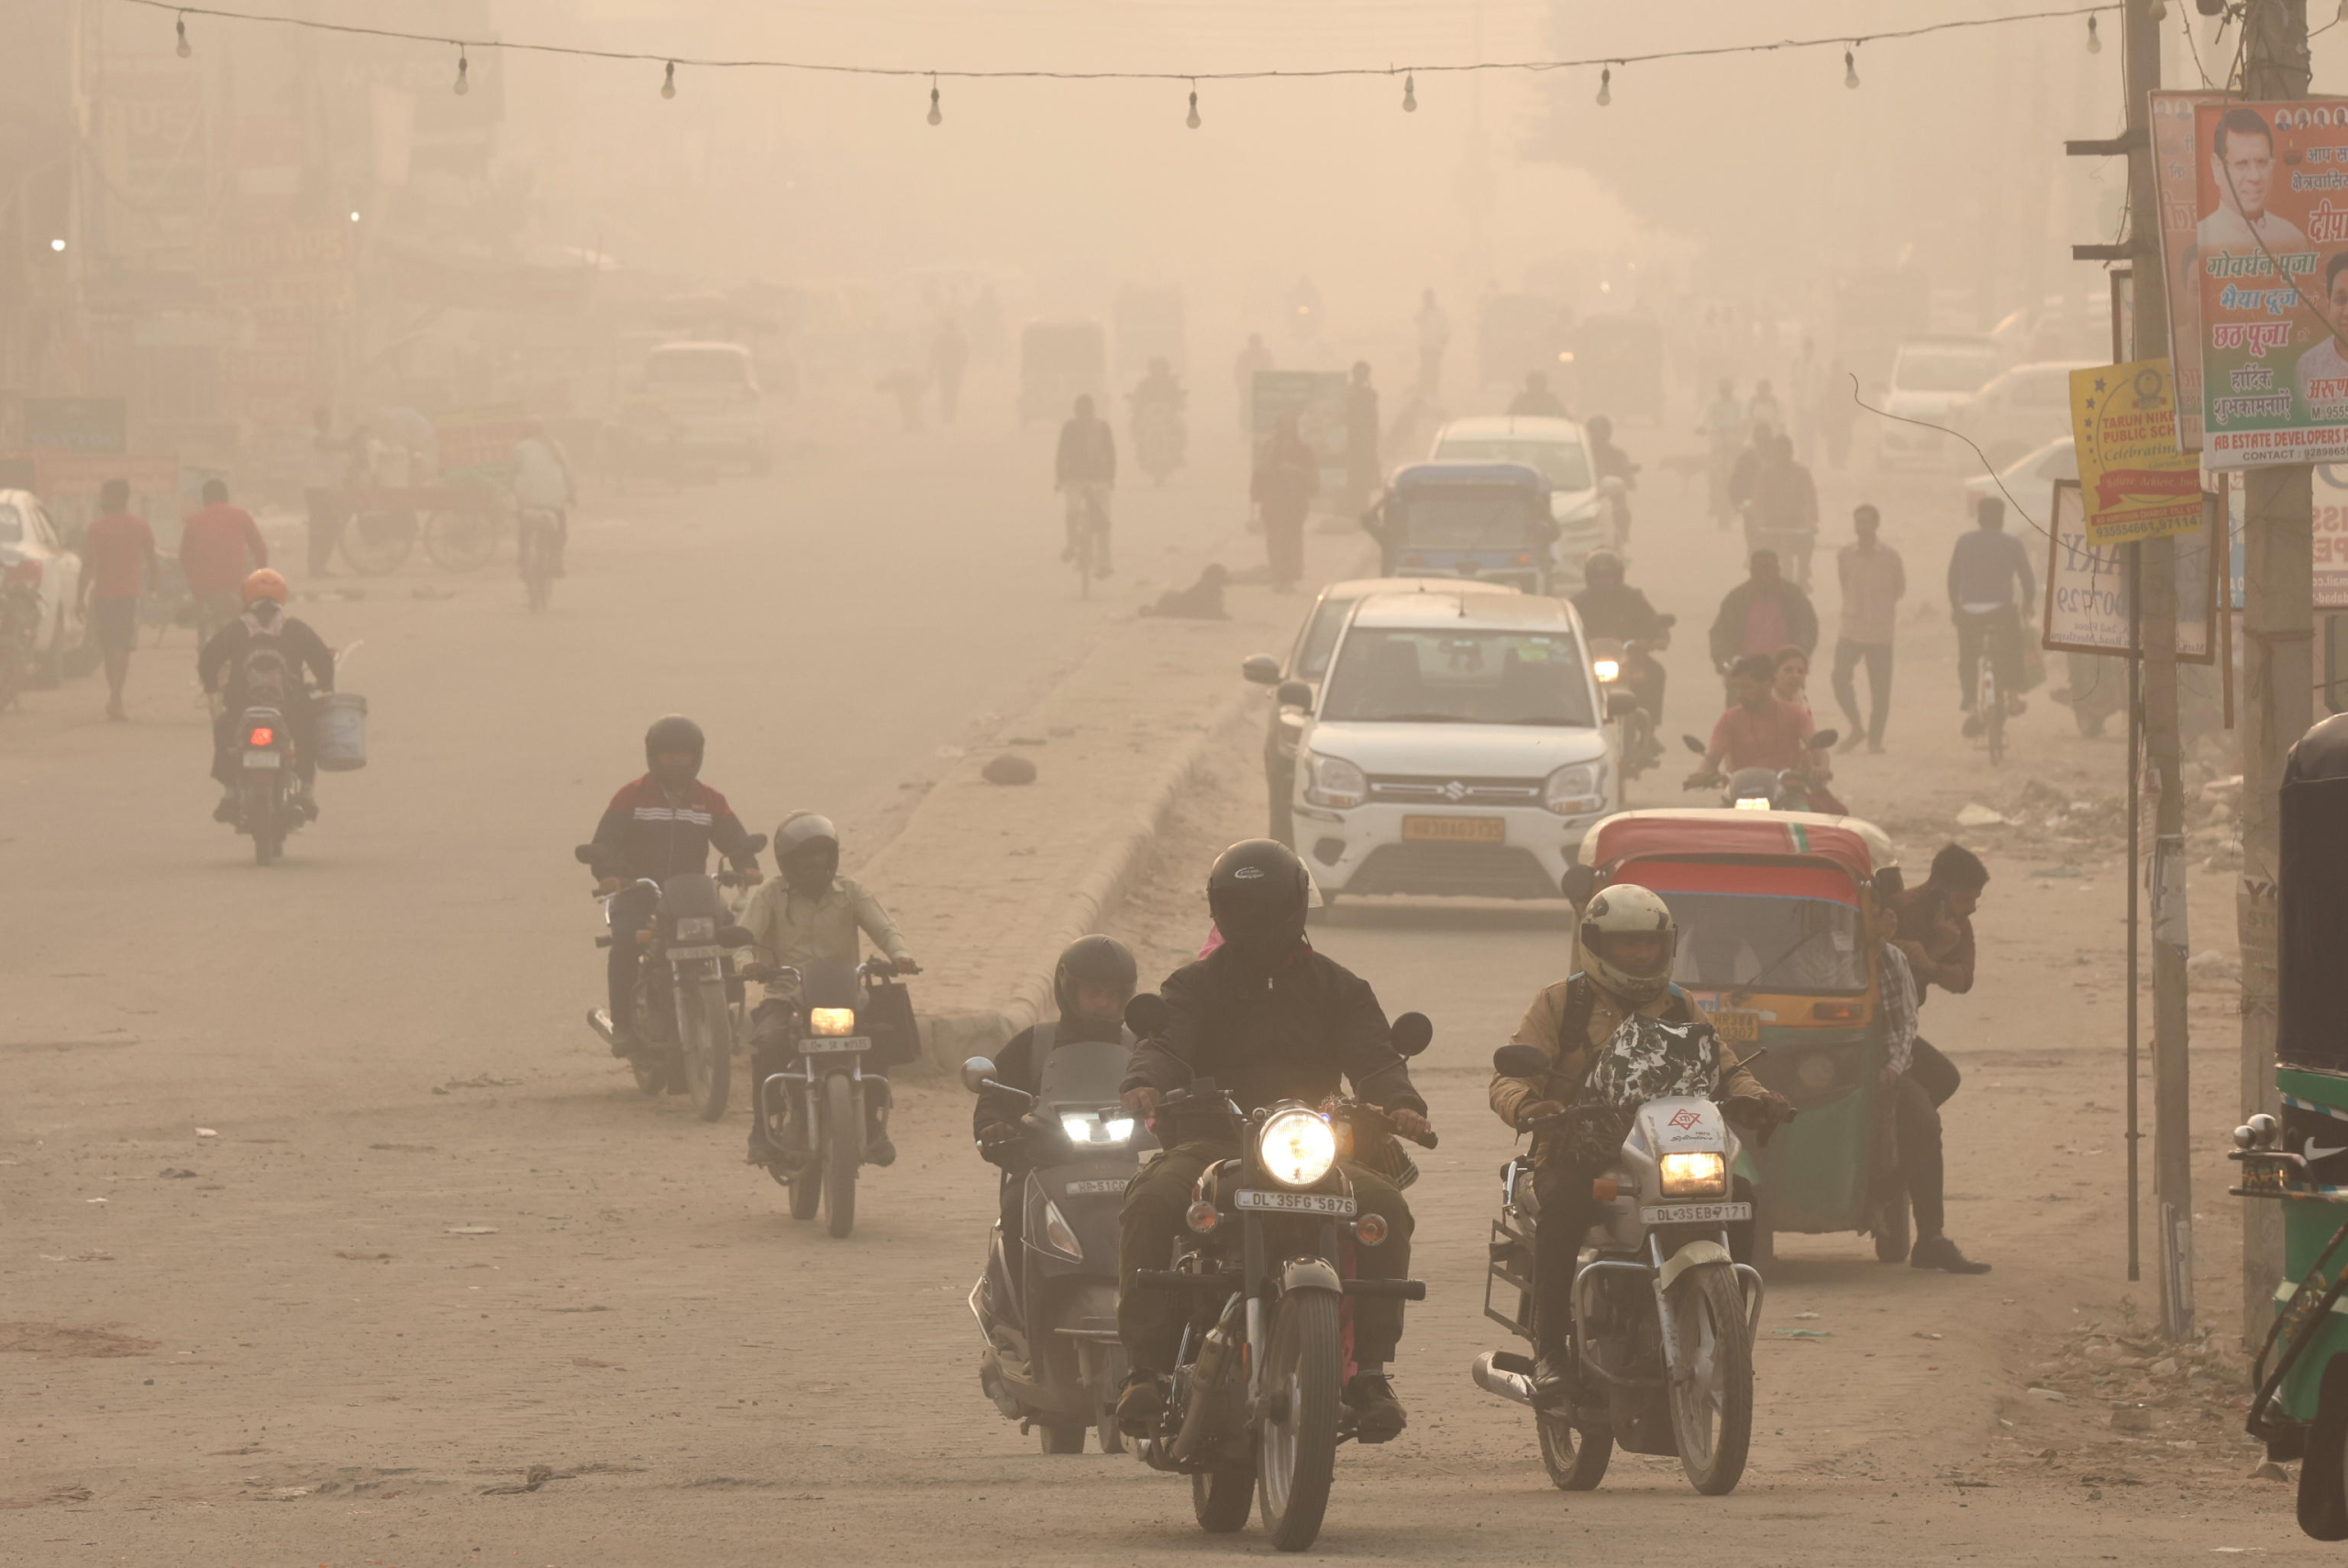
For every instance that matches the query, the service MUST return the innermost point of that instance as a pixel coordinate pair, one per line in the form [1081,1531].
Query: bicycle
[1988,700]
[1088,537]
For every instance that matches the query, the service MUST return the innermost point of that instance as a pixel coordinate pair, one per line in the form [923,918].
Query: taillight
[27,571]
[261,735]
[1838,1012]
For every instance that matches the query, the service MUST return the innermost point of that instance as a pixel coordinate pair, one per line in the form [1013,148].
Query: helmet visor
[1642,954]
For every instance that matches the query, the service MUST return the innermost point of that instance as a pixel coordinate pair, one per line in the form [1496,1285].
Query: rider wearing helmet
[808,913]
[263,646]
[661,825]
[1267,1019]
[1612,610]
[1627,940]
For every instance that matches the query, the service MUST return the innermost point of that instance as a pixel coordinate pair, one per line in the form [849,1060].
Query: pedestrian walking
[219,547]
[118,558]
[1761,615]
[1287,478]
[1874,579]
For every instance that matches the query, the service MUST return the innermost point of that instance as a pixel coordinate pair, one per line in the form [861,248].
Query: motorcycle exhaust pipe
[1511,1385]
[600,1021]
[1205,1372]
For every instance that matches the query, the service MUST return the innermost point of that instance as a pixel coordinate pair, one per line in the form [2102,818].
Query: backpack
[264,674]
[1645,1058]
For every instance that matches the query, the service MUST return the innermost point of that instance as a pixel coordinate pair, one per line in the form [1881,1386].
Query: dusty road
[436,1240]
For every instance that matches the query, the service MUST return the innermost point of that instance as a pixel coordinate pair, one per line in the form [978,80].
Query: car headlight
[1694,1175]
[1060,1234]
[831,1021]
[1092,1131]
[1576,790]
[697,928]
[1297,1147]
[1335,782]
[1606,668]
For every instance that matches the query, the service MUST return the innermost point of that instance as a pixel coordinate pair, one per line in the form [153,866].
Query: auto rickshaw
[2298,1407]
[1060,361]
[1461,517]
[1773,908]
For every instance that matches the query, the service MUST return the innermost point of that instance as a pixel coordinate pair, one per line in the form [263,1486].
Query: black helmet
[675,733]
[1099,961]
[1258,892]
[807,848]
[1599,561]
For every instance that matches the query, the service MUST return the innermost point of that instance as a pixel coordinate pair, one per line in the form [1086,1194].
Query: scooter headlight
[1606,668]
[1297,1147]
[1701,1174]
[1097,1132]
[831,1022]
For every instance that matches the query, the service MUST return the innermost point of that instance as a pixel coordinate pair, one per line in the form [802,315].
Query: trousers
[1916,1102]
[1848,655]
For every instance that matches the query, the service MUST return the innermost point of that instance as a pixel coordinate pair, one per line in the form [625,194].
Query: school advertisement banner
[2134,481]
[2270,260]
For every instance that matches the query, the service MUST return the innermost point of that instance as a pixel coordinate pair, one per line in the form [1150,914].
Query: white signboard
[2086,585]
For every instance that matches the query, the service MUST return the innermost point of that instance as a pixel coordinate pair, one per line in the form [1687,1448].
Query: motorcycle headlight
[697,928]
[1297,1147]
[1096,1131]
[1333,781]
[1606,668]
[1694,1175]
[1577,789]
[831,1022]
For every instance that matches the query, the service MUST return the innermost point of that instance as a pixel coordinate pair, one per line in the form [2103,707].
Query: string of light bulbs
[1850,43]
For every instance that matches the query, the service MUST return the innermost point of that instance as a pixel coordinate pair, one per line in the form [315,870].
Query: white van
[2018,411]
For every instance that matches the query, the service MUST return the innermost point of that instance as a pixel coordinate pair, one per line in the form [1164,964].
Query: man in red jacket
[219,547]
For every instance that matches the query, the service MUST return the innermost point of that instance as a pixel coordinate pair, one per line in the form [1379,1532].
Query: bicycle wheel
[460,541]
[1993,710]
[1084,559]
[379,543]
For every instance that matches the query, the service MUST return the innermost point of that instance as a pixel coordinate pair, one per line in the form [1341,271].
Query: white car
[708,396]
[2019,410]
[31,552]
[1556,449]
[1928,377]
[2031,479]
[1456,745]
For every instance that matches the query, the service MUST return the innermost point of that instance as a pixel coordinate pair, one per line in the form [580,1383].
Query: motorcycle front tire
[1222,1499]
[708,1046]
[1296,1457]
[1706,1297]
[841,1152]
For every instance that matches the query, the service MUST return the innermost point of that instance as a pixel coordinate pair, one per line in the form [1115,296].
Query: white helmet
[1626,909]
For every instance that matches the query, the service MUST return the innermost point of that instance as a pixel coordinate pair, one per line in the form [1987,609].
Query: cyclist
[1085,472]
[1989,581]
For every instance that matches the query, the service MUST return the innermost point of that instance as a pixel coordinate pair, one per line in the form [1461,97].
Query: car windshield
[1467,518]
[1565,464]
[1467,677]
[1321,637]
[696,367]
[11,524]
[1943,369]
[1766,942]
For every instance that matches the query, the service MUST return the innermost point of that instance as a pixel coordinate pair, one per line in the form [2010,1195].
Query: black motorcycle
[267,807]
[1053,1360]
[684,1019]
[1256,1408]
[814,1112]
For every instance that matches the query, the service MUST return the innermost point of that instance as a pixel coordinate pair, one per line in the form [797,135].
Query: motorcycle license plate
[834,1045]
[1455,830]
[263,759]
[696,953]
[1094,1188]
[1695,1213]
[1741,1026]
[1334,1204]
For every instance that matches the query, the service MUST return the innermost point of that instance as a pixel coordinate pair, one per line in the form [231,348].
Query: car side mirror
[1520,1061]
[1692,744]
[1146,1015]
[1823,739]
[1620,704]
[1260,670]
[584,855]
[1411,1034]
[1579,884]
[976,1072]
[1294,694]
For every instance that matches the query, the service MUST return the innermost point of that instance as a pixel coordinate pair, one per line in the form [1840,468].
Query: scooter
[1661,1353]
[1765,788]
[1048,1314]
[1619,664]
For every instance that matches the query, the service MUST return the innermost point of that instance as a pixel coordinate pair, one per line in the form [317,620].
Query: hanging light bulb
[1410,90]
[669,81]
[462,86]
[184,50]
[1605,86]
[1192,120]
[1850,70]
[936,115]
[2095,38]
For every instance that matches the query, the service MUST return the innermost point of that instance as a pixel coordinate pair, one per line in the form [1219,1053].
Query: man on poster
[2241,156]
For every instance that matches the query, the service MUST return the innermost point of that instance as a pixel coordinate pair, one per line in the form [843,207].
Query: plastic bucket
[339,731]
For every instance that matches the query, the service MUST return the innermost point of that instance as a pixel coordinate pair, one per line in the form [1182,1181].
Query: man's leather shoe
[1939,1252]
[1378,1415]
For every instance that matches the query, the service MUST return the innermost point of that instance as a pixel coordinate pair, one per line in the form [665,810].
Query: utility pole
[2279,692]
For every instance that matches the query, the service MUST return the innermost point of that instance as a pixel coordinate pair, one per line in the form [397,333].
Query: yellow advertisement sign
[2133,481]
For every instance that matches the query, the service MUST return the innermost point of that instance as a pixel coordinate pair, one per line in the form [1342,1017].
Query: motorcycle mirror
[1667,621]
[1520,1061]
[1823,739]
[584,855]
[1579,884]
[976,1072]
[1260,670]
[1692,744]
[1411,1034]
[1146,1014]
[1621,704]
[757,842]
[1294,694]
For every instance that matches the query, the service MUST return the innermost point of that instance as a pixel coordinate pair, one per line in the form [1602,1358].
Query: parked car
[1295,679]
[1929,375]
[1456,745]
[1555,448]
[710,403]
[2019,410]
[2031,479]
[31,552]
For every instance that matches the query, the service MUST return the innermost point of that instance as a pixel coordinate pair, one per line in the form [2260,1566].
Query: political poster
[2270,260]
[2088,602]
[2134,484]
[2177,191]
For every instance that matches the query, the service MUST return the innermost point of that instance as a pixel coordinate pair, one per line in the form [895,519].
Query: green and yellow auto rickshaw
[2300,1404]
[1773,910]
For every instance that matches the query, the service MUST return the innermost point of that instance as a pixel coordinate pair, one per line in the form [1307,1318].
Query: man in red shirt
[218,549]
[118,565]
[1757,730]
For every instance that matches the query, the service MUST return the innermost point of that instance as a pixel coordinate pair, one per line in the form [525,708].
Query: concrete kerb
[949,1040]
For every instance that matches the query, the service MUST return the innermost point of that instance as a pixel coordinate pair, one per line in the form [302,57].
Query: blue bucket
[339,731]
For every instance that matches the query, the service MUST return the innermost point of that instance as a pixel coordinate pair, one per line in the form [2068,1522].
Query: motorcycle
[826,1095]
[1769,789]
[683,990]
[1661,1353]
[1255,1408]
[269,808]
[1621,667]
[1159,437]
[1053,1360]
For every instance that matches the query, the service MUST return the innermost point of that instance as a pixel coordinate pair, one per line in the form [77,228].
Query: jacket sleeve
[1801,620]
[255,542]
[211,659]
[1366,1050]
[611,838]
[732,839]
[1898,577]
[1954,974]
[1169,1060]
[876,923]
[317,655]
[1510,1096]
[1736,1080]
[1012,1064]
[1956,556]
[1726,624]
[757,919]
